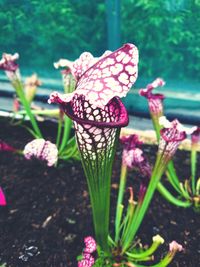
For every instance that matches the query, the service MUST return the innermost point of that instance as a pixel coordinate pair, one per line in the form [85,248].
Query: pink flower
[154,100]
[2,198]
[156,83]
[90,244]
[171,136]
[130,141]
[8,63]
[87,261]
[174,247]
[5,147]
[133,155]
[69,80]
[41,149]
[195,136]
[90,247]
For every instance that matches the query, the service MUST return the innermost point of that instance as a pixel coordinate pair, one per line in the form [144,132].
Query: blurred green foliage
[43,31]
[165,31]
[167,35]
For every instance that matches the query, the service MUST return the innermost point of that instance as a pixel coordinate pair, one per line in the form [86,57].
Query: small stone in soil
[156,230]
[70,221]
[29,252]
[70,238]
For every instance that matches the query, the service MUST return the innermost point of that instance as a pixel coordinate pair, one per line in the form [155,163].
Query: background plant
[188,191]
[25,92]
[162,30]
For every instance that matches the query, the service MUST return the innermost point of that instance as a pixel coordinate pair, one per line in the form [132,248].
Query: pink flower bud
[174,247]
[130,141]
[156,83]
[5,147]
[90,244]
[195,136]
[171,136]
[155,101]
[41,149]
[87,261]
[132,155]
[8,63]
[2,198]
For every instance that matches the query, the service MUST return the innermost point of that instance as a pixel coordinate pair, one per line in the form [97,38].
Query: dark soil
[48,211]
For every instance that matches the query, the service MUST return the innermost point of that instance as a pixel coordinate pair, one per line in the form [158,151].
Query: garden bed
[48,211]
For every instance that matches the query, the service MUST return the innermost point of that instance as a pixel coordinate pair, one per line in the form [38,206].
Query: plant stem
[43,112]
[98,171]
[156,175]
[144,254]
[193,169]
[66,134]
[120,201]
[59,131]
[172,176]
[20,92]
[169,197]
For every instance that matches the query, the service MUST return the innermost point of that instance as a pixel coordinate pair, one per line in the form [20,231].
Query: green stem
[43,112]
[184,192]
[172,176]
[166,260]
[171,172]
[193,169]
[119,209]
[70,154]
[198,187]
[156,125]
[69,88]
[20,92]
[169,197]
[129,222]
[59,131]
[66,134]
[98,171]
[148,252]
[163,263]
[156,175]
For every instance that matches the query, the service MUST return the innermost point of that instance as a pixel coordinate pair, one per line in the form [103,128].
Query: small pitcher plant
[127,222]
[26,91]
[98,115]
[11,68]
[188,193]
